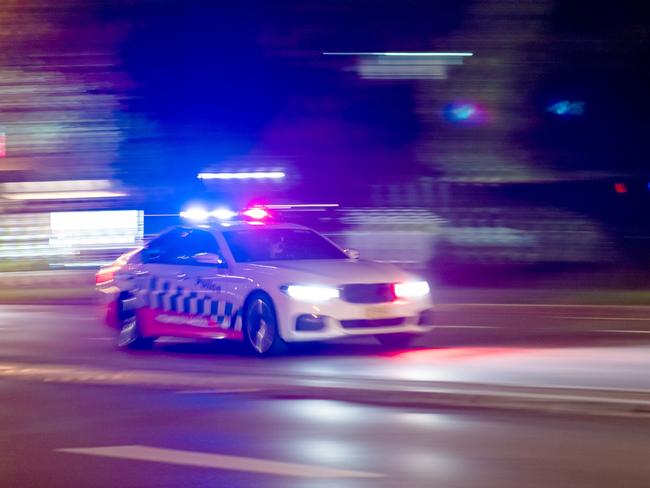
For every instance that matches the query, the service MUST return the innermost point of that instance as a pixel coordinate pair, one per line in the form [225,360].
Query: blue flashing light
[195,214]
[567,108]
[223,214]
[463,113]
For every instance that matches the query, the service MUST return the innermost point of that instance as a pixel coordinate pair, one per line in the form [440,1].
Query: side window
[178,247]
[161,250]
[199,242]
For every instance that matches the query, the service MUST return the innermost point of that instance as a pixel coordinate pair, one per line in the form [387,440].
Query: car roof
[228,226]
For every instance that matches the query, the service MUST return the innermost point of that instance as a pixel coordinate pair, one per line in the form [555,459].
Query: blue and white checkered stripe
[162,295]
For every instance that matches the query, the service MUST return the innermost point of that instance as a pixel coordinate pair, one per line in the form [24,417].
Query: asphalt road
[75,436]
[64,430]
[598,347]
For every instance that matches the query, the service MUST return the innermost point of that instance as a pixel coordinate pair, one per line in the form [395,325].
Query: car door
[172,304]
[208,284]
[161,272]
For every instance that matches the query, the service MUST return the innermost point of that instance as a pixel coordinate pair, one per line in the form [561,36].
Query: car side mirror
[209,259]
[352,253]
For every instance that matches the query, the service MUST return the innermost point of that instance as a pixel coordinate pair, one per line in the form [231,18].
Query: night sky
[241,85]
[229,84]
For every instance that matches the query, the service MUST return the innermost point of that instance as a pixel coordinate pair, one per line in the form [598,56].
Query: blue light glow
[464,113]
[223,214]
[195,214]
[567,107]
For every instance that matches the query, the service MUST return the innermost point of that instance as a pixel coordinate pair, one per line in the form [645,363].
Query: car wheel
[397,340]
[130,336]
[261,327]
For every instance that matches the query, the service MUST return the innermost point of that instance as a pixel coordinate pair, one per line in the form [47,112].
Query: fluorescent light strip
[63,195]
[242,176]
[88,264]
[55,185]
[422,54]
[300,205]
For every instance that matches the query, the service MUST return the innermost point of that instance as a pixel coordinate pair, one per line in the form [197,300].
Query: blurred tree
[496,81]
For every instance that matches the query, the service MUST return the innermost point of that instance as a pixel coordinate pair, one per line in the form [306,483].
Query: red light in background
[3,144]
[620,187]
[256,213]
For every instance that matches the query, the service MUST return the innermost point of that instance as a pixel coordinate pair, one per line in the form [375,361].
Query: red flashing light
[620,187]
[256,213]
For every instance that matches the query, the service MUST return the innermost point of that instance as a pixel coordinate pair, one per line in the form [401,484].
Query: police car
[267,284]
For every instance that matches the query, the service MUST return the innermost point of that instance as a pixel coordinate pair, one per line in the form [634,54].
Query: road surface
[71,435]
[63,429]
[539,346]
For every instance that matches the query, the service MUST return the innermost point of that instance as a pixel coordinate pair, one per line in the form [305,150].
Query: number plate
[379,312]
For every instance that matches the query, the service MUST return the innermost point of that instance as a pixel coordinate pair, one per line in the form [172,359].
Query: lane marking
[197,382]
[101,376]
[614,331]
[216,392]
[468,327]
[218,461]
[442,306]
[642,319]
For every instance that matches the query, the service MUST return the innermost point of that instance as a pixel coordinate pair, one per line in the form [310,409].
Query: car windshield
[279,244]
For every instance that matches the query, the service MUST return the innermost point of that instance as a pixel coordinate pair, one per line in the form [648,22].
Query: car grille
[370,323]
[368,293]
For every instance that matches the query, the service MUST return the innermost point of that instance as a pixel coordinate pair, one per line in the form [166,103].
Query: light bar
[255,175]
[223,214]
[200,214]
[197,214]
[256,213]
[414,54]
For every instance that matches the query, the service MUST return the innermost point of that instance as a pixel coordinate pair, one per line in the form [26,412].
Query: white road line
[219,461]
[435,326]
[614,331]
[216,392]
[641,319]
[453,306]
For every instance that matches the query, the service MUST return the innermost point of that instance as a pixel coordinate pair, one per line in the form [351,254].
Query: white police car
[267,284]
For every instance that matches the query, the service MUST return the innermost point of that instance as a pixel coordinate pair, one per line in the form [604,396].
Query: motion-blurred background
[484,142]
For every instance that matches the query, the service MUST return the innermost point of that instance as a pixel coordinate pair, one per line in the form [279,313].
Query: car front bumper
[337,319]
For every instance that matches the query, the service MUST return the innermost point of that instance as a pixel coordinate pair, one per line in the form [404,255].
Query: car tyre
[397,341]
[130,335]
[261,327]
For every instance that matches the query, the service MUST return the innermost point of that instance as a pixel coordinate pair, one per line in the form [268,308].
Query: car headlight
[411,289]
[309,293]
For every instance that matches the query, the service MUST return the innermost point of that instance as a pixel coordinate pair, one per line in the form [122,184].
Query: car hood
[329,271]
